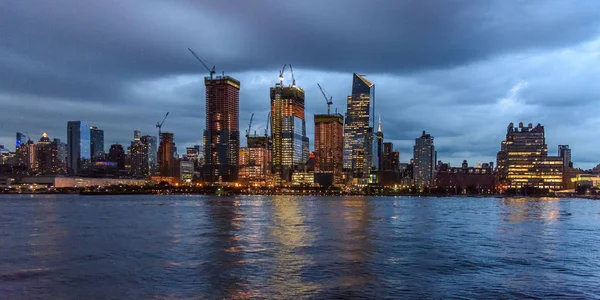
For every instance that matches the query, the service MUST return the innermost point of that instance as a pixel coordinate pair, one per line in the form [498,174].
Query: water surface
[285,247]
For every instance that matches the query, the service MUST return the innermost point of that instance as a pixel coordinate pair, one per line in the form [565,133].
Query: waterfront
[286,247]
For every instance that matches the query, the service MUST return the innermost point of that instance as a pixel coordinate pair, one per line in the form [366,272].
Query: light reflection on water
[202,247]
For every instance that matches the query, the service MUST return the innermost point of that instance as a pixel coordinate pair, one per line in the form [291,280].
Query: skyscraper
[388,157]
[150,154]
[358,135]
[523,160]
[21,139]
[288,130]
[47,156]
[61,149]
[78,147]
[329,148]
[222,134]
[166,155]
[379,135]
[565,153]
[425,158]
[116,154]
[255,160]
[96,143]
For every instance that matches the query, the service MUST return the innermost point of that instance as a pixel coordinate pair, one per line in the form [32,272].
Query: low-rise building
[465,179]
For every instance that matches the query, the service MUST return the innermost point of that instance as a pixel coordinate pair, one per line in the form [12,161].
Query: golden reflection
[356,246]
[289,230]
[524,209]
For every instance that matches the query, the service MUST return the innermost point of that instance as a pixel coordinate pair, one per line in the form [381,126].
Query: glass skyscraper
[96,143]
[78,147]
[288,130]
[358,135]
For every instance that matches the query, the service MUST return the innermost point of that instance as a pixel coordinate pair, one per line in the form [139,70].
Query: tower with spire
[379,135]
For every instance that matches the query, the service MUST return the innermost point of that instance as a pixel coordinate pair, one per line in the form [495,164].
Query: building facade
[78,148]
[166,155]
[425,158]
[465,179]
[116,154]
[329,148]
[47,157]
[97,144]
[255,161]
[523,160]
[565,153]
[150,150]
[358,133]
[288,130]
[222,134]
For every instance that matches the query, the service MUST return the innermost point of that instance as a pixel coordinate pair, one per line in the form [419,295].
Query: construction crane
[329,101]
[160,124]
[211,71]
[293,79]
[268,122]
[281,75]
[249,126]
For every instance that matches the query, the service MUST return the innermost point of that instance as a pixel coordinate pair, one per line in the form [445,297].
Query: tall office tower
[48,162]
[166,155]
[388,157]
[78,148]
[255,160]
[61,149]
[21,139]
[193,155]
[329,148]
[31,155]
[425,158]
[565,153]
[288,130]
[523,160]
[150,150]
[396,161]
[96,143]
[358,135]
[379,135]
[222,134]
[136,156]
[116,154]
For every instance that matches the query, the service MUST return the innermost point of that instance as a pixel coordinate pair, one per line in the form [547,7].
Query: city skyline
[462,97]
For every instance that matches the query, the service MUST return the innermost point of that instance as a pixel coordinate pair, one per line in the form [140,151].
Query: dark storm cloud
[447,67]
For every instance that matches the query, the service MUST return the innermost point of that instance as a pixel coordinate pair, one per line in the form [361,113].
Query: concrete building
[358,134]
[48,161]
[465,179]
[255,161]
[288,130]
[425,158]
[166,155]
[329,148]
[565,153]
[78,148]
[222,134]
[523,160]
[117,154]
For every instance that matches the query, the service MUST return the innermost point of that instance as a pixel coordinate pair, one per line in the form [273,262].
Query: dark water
[201,247]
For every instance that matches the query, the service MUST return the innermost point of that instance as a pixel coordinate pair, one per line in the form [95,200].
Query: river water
[286,247]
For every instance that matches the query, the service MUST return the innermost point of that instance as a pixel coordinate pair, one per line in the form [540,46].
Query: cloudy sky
[461,70]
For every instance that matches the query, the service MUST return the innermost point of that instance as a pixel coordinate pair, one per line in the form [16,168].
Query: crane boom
[211,71]
[293,79]
[160,124]
[281,75]
[250,125]
[268,122]
[329,101]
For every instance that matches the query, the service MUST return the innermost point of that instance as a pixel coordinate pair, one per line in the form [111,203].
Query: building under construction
[288,129]
[255,161]
[329,148]
[222,134]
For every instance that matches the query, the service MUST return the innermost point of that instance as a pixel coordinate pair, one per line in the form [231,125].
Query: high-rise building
[61,149]
[166,155]
[329,148]
[138,158]
[117,154]
[523,160]
[396,161]
[425,158]
[388,157]
[358,134]
[21,139]
[255,161]
[48,161]
[222,134]
[565,153]
[288,130]
[96,143]
[78,147]
[193,155]
[379,136]
[150,149]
